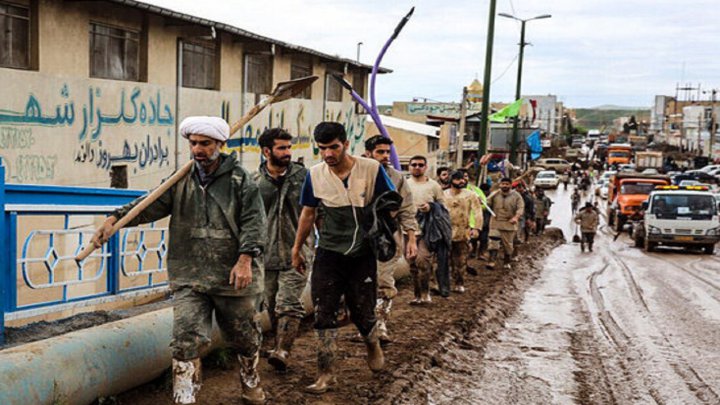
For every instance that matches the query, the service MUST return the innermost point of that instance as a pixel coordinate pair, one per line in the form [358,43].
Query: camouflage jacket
[282,207]
[209,228]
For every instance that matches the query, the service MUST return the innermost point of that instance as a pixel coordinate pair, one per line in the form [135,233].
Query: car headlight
[654,230]
[713,232]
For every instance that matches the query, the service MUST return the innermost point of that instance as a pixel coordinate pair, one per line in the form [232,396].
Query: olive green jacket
[282,207]
[209,228]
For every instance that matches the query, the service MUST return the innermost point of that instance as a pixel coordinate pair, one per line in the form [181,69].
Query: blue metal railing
[46,260]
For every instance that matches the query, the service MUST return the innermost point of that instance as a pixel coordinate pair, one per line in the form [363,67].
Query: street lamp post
[514,142]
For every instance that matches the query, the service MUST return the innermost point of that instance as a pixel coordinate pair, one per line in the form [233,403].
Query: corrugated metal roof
[238,31]
[427,130]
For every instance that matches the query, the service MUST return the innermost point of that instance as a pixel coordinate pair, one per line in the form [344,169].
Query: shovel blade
[291,88]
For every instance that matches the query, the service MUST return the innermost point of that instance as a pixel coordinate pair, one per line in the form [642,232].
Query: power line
[506,69]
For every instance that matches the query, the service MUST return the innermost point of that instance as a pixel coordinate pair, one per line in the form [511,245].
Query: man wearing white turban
[217,232]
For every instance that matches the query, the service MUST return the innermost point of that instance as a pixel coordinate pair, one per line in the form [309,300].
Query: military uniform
[283,284]
[502,231]
[462,207]
[210,227]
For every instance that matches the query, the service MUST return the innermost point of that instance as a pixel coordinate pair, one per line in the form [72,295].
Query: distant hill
[617,107]
[597,118]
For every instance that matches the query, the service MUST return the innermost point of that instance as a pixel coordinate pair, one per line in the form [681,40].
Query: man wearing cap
[217,231]
[461,203]
[588,219]
[508,207]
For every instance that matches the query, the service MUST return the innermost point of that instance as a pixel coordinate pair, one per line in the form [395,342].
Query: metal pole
[482,144]
[713,126]
[359,44]
[461,132]
[514,143]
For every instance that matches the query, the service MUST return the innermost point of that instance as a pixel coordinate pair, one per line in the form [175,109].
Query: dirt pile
[426,338]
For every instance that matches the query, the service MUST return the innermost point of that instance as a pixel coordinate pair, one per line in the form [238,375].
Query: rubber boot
[375,357]
[186,380]
[287,332]
[252,392]
[327,355]
[383,314]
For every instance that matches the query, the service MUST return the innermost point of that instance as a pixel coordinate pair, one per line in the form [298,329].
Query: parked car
[686,183]
[698,175]
[599,185]
[627,167]
[558,165]
[547,179]
[708,168]
[607,174]
[650,171]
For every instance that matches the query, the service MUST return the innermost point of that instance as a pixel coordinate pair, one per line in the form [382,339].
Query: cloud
[590,52]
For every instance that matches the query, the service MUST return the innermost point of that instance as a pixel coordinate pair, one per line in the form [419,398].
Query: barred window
[14,36]
[258,73]
[302,67]
[199,65]
[333,88]
[114,53]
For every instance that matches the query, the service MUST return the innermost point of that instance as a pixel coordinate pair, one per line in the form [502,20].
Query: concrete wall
[59,126]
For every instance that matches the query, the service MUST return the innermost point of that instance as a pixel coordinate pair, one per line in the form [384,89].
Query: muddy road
[615,326]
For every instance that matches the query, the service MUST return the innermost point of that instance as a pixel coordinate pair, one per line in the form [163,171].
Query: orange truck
[619,153]
[626,193]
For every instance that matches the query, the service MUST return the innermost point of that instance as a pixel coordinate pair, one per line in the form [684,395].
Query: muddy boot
[492,259]
[375,357]
[252,392]
[186,380]
[582,247]
[286,333]
[590,246]
[327,354]
[383,314]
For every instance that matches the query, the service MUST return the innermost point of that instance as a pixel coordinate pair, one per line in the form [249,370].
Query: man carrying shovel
[217,231]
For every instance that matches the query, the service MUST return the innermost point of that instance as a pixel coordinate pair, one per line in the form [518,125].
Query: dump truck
[626,193]
[649,160]
[619,153]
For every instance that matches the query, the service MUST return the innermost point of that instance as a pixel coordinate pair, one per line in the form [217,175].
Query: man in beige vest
[508,207]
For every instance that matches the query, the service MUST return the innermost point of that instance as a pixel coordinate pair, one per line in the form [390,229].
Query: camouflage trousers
[192,323]
[458,259]
[283,289]
[504,238]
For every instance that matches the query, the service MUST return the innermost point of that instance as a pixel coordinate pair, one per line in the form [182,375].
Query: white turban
[212,127]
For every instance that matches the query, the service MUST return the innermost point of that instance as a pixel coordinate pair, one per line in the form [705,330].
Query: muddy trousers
[587,238]
[421,269]
[355,277]
[504,238]
[192,323]
[458,259]
[283,289]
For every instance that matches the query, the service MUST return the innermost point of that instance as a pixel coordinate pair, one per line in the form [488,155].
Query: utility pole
[713,122]
[461,132]
[359,44]
[514,142]
[482,141]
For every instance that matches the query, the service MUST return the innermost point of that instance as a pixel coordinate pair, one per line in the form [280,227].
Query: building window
[258,74]
[433,144]
[359,83]
[14,36]
[114,53]
[333,88]
[199,65]
[302,67]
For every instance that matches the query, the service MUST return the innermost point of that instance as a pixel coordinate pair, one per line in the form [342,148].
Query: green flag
[510,110]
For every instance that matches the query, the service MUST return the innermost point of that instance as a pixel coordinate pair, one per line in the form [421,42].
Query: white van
[679,216]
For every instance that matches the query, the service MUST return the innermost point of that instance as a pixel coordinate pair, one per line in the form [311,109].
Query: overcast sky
[591,52]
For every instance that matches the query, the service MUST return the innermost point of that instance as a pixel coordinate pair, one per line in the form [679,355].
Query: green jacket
[210,228]
[282,207]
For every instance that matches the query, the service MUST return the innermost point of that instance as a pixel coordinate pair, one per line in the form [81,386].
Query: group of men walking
[237,239]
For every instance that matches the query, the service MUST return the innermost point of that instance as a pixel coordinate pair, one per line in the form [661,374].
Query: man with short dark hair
[280,182]
[378,147]
[345,265]
[588,220]
[461,204]
[424,192]
[443,177]
[508,207]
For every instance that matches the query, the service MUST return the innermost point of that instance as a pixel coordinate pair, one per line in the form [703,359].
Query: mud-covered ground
[423,336]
